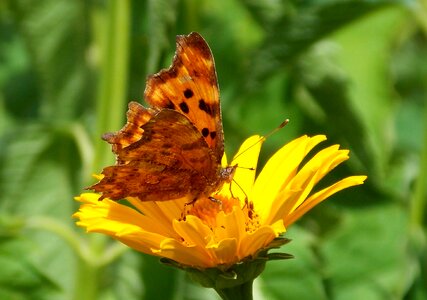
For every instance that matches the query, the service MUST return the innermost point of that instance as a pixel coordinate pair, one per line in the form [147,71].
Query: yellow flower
[249,215]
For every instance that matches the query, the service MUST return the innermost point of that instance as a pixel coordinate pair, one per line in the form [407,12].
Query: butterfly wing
[137,116]
[171,160]
[190,86]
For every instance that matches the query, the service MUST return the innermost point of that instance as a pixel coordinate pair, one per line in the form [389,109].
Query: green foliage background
[353,70]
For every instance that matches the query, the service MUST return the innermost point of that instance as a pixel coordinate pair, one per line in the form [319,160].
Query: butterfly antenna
[283,124]
[246,195]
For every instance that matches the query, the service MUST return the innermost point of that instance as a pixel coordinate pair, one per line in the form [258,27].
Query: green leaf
[159,281]
[364,259]
[19,158]
[160,18]
[56,32]
[267,12]
[19,278]
[365,57]
[297,278]
[291,37]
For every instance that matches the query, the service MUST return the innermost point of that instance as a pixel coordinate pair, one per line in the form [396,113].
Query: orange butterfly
[173,149]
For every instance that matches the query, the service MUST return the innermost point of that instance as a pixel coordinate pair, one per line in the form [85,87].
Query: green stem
[111,31]
[60,229]
[84,145]
[88,281]
[111,100]
[192,8]
[419,198]
[239,292]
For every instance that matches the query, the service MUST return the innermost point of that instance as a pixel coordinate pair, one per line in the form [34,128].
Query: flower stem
[419,197]
[87,281]
[240,292]
[113,28]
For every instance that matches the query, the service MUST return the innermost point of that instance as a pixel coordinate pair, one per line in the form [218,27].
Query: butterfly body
[173,149]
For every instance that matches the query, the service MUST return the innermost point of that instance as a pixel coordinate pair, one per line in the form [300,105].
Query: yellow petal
[256,240]
[279,170]
[143,241]
[302,183]
[225,251]
[193,231]
[187,255]
[120,221]
[160,214]
[318,197]
[230,225]
[246,160]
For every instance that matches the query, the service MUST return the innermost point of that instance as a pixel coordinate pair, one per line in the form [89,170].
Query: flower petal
[301,185]
[318,197]
[230,225]
[160,213]
[279,170]
[256,240]
[193,231]
[246,160]
[225,251]
[187,255]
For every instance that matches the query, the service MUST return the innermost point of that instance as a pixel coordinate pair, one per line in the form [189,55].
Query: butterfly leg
[191,202]
[215,200]
[184,211]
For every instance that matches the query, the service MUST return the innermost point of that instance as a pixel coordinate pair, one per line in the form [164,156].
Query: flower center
[207,209]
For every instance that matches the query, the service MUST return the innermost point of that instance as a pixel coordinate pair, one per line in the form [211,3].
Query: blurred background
[353,70]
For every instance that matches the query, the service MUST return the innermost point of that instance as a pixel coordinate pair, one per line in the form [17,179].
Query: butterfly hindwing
[190,87]
[148,182]
[171,160]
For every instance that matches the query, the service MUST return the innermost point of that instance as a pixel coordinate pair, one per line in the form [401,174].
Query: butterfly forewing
[190,87]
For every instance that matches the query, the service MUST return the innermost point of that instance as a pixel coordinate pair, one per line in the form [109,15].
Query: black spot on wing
[205,132]
[188,93]
[169,104]
[206,107]
[184,107]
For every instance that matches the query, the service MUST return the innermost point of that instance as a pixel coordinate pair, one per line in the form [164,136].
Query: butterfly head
[227,173]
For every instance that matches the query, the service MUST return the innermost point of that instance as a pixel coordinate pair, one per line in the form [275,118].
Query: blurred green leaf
[19,158]
[160,19]
[268,12]
[362,57]
[160,281]
[363,258]
[291,37]
[297,278]
[56,34]
[19,278]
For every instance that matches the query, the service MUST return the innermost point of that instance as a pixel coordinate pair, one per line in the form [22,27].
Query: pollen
[206,209]
[252,221]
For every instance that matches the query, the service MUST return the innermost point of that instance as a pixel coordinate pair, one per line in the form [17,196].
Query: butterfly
[172,149]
